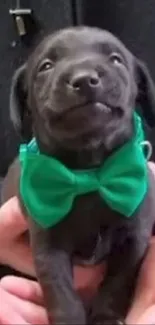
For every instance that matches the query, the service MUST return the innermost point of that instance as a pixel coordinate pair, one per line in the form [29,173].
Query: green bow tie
[48,188]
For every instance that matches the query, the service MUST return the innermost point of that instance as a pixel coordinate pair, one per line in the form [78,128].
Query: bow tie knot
[86,182]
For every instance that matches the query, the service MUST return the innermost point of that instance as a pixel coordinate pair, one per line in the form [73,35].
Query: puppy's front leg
[112,302]
[54,272]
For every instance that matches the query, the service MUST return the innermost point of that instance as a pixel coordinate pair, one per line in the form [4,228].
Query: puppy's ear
[19,112]
[146,93]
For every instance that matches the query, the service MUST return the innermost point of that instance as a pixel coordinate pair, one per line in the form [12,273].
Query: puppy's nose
[85,81]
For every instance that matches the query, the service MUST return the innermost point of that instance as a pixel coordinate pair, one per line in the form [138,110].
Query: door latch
[20,14]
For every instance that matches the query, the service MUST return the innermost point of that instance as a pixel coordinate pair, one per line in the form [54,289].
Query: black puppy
[76,95]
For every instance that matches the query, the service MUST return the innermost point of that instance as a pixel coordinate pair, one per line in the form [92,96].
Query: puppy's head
[79,89]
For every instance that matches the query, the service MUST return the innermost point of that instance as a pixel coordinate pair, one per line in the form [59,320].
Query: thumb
[148,317]
[152,166]
[145,291]
[12,221]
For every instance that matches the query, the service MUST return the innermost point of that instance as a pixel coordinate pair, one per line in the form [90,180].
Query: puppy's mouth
[83,124]
[98,105]
[82,117]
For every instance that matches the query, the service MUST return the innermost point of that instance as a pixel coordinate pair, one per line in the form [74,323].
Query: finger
[137,309]
[23,288]
[12,221]
[148,317]
[146,280]
[152,166]
[8,315]
[87,280]
[21,259]
[145,290]
[31,313]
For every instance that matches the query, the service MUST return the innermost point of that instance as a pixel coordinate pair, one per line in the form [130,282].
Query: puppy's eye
[46,65]
[116,58]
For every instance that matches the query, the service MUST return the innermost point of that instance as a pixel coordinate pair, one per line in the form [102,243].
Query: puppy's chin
[88,141]
[82,127]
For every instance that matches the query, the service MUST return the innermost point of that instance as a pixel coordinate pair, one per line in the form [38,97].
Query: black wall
[132,20]
[49,15]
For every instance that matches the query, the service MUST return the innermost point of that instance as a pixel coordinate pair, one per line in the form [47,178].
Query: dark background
[132,20]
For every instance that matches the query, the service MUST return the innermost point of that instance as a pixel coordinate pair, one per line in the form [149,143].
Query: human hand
[142,310]
[22,301]
[14,247]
